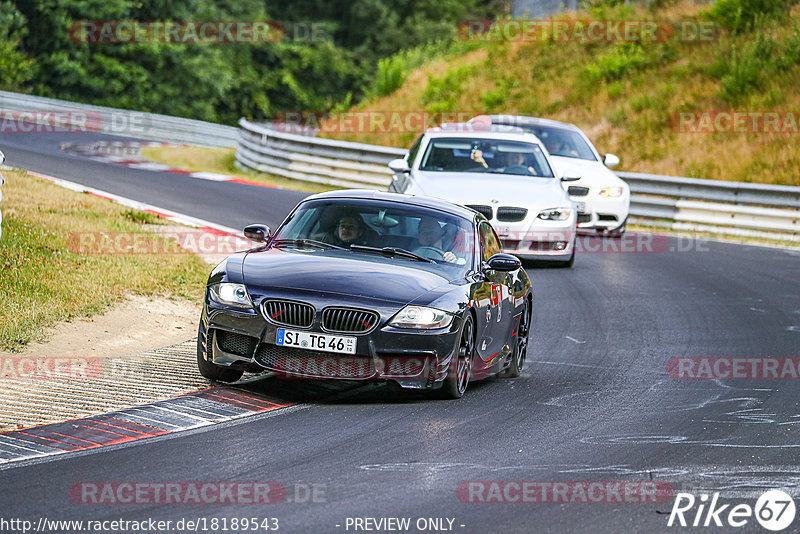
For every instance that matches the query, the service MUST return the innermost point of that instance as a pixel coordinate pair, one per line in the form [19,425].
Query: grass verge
[44,279]
[222,161]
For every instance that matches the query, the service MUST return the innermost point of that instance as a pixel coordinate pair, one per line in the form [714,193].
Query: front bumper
[602,213]
[246,340]
[545,241]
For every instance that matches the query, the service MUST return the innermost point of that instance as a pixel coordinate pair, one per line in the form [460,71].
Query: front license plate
[581,207]
[314,341]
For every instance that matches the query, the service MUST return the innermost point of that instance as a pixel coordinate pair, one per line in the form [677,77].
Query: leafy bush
[791,54]
[743,15]
[390,75]
[619,61]
[742,71]
[440,93]
[496,97]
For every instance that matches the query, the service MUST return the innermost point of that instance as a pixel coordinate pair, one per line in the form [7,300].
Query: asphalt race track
[235,205]
[595,401]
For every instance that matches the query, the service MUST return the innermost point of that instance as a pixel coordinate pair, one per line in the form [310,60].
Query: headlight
[421,317]
[555,214]
[611,192]
[230,295]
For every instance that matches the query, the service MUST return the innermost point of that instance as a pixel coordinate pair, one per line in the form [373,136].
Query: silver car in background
[601,197]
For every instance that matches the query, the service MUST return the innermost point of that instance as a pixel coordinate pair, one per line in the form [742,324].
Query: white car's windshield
[485,155]
[561,142]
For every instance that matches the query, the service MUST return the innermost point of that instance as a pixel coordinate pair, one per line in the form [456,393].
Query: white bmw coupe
[506,176]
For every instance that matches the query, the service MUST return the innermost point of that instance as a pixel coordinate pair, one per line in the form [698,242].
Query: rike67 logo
[774,510]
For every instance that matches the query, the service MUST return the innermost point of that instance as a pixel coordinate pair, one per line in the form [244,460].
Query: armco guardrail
[734,208]
[312,159]
[54,114]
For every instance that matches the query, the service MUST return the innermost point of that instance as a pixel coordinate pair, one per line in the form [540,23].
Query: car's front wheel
[205,365]
[619,231]
[460,370]
[570,262]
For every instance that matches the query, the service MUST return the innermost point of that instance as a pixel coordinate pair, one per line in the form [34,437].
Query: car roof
[422,201]
[522,120]
[486,134]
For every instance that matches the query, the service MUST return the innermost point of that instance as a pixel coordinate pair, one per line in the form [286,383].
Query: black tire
[619,231]
[208,369]
[570,262]
[521,346]
[460,370]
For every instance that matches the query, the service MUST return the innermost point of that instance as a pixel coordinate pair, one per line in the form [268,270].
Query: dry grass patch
[43,277]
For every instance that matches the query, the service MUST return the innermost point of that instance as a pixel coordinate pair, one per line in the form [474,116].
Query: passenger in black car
[350,230]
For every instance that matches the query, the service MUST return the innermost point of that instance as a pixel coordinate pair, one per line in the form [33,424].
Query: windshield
[390,230]
[485,155]
[561,142]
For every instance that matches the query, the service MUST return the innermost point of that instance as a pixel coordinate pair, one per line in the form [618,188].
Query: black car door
[494,310]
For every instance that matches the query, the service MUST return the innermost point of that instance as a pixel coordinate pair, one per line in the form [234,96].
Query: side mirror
[570,176]
[399,166]
[504,262]
[257,232]
[610,161]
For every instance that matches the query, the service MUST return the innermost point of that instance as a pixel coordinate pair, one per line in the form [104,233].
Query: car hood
[593,173]
[500,189]
[355,275]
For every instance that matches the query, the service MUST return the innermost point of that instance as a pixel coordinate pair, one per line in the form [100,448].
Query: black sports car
[364,285]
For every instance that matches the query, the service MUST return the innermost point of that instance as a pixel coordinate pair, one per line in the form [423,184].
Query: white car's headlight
[230,295]
[555,214]
[611,192]
[421,317]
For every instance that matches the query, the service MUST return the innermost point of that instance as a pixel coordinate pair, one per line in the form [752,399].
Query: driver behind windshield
[558,146]
[349,230]
[431,237]
[518,159]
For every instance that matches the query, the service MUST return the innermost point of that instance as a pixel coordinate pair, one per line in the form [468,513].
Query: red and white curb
[126,154]
[192,410]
